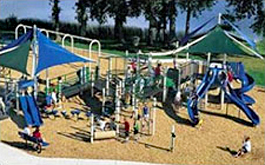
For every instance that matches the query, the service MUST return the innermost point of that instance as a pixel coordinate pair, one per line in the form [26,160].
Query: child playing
[246,147]
[127,129]
[136,127]
[36,134]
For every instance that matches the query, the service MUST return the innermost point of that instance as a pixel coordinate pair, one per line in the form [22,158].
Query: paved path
[14,156]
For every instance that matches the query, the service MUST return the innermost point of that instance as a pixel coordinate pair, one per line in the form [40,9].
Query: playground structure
[74,83]
[114,85]
[139,86]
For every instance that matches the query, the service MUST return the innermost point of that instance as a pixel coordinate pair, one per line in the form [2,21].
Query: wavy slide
[207,81]
[237,100]
[236,96]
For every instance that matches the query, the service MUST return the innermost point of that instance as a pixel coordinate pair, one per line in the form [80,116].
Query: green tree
[82,17]
[55,14]
[259,25]
[151,10]
[194,8]
[119,10]
[245,9]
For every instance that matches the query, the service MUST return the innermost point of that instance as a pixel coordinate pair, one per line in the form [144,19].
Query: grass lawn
[255,67]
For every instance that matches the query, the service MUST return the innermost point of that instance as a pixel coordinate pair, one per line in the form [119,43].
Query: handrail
[72,41]
[17,28]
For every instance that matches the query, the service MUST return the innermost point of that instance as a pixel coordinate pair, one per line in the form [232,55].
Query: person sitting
[26,131]
[246,147]
[48,100]
[112,123]
[102,124]
[36,134]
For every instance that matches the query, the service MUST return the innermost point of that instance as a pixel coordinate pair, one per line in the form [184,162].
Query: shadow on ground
[171,113]
[20,145]
[237,120]
[80,136]
[148,145]
[227,149]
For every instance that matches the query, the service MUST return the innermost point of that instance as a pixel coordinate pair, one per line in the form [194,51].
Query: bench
[104,134]
[34,140]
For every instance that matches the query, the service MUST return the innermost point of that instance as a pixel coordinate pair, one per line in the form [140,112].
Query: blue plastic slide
[207,81]
[34,110]
[25,109]
[235,98]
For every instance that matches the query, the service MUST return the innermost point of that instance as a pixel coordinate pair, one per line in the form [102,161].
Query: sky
[40,9]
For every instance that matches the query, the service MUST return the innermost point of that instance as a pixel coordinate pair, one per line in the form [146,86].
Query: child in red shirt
[127,129]
[158,70]
[133,65]
[230,76]
[37,134]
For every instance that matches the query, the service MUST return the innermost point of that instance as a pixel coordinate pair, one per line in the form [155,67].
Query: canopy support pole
[222,91]
[126,64]
[47,70]
[219,18]
[138,66]
[92,128]
[154,116]
[34,61]
[208,65]
[103,100]
[150,63]
[187,56]
[117,108]
[165,85]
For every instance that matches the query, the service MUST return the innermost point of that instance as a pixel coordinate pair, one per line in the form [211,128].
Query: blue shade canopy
[186,38]
[52,54]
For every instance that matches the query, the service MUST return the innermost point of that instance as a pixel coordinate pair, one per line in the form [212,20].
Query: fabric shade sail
[217,42]
[15,54]
[52,54]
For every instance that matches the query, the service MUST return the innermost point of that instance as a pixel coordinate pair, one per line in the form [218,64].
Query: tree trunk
[83,24]
[164,22]
[172,20]
[58,38]
[151,32]
[188,20]
[83,29]
[118,28]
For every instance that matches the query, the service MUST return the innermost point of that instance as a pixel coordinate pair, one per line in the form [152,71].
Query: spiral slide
[235,96]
